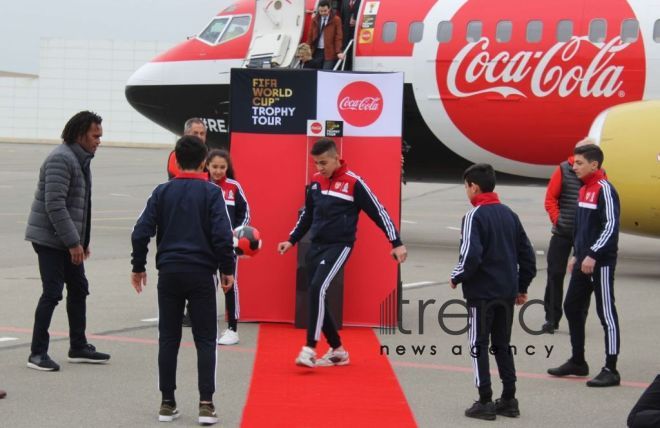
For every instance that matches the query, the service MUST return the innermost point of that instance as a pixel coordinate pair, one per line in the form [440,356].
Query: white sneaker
[307,357]
[228,337]
[333,358]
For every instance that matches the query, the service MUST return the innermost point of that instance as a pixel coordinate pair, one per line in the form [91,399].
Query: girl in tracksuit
[221,172]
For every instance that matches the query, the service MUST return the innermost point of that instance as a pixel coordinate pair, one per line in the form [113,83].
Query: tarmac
[438,384]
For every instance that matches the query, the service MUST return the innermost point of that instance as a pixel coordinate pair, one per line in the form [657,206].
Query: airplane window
[534,31]
[564,30]
[237,27]
[629,30]
[474,30]
[213,30]
[389,32]
[656,31]
[415,32]
[503,32]
[597,30]
[444,31]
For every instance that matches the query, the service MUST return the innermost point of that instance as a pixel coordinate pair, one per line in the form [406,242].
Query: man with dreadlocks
[59,229]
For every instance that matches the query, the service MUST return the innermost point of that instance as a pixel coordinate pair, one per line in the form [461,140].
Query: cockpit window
[214,29]
[237,27]
[225,28]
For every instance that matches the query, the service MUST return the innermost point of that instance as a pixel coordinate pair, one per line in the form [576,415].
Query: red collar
[339,171]
[487,198]
[221,181]
[571,159]
[594,177]
[193,175]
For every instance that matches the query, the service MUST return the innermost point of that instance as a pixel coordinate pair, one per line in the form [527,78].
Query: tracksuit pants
[56,270]
[491,320]
[558,253]
[324,261]
[173,290]
[232,305]
[576,307]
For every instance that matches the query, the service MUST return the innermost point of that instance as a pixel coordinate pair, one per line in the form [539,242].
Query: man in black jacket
[495,266]
[194,237]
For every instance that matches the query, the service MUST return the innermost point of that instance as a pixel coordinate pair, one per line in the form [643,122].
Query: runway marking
[149,320]
[540,252]
[459,369]
[8,339]
[419,284]
[121,195]
[408,222]
[454,228]
[113,218]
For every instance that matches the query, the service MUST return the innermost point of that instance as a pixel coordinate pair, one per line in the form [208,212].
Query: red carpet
[364,393]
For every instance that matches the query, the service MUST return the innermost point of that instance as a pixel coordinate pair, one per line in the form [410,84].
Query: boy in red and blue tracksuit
[194,239]
[495,266]
[596,237]
[334,199]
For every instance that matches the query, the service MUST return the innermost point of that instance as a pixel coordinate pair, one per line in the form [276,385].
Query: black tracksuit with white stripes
[596,235]
[188,215]
[239,214]
[332,207]
[496,263]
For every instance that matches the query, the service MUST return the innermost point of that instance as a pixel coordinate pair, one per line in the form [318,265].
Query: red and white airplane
[512,83]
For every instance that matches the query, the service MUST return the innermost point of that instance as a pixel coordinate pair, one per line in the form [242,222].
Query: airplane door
[278,27]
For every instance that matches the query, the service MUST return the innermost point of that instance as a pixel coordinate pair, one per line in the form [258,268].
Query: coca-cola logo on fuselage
[531,102]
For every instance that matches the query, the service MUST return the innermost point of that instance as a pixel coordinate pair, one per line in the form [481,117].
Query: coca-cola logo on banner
[360,103]
[316,127]
[500,94]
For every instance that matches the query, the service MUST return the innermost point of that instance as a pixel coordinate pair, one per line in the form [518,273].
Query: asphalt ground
[437,383]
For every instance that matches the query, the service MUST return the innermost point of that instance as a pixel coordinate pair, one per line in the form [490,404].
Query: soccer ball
[247,242]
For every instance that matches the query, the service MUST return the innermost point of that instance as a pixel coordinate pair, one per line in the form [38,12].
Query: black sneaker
[507,408]
[168,412]
[43,363]
[207,414]
[482,411]
[87,354]
[549,328]
[606,377]
[570,368]
[186,322]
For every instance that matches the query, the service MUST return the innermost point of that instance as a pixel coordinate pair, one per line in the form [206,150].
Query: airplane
[514,84]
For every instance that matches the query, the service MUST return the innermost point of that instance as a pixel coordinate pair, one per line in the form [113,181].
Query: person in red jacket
[325,37]
[560,203]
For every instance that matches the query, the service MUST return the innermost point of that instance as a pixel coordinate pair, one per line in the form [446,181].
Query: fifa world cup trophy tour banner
[270,150]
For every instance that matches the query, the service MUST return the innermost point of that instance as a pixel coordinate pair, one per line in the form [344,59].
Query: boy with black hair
[194,238]
[496,266]
[596,237]
[333,202]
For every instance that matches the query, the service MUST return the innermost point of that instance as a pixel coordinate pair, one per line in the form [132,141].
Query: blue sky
[24,22]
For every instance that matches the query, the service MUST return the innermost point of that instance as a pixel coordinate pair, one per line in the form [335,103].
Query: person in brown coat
[326,49]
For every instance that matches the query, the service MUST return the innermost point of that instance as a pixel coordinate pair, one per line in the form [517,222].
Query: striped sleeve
[471,249]
[304,219]
[368,202]
[608,209]
[242,208]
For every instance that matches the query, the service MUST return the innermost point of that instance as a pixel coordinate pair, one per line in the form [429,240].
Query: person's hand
[521,299]
[399,253]
[138,280]
[588,265]
[77,255]
[571,264]
[283,247]
[352,22]
[340,55]
[226,282]
[451,283]
[88,252]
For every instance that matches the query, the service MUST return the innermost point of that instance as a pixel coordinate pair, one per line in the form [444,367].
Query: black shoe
[570,368]
[186,322]
[606,377]
[43,363]
[482,411]
[549,328]
[507,408]
[87,354]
